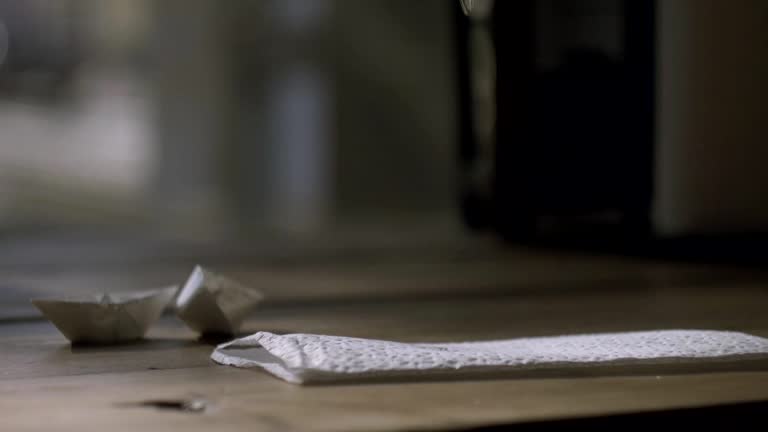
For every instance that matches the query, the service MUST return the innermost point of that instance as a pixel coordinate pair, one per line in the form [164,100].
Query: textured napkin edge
[291,356]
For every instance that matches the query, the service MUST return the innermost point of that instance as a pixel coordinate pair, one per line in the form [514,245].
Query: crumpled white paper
[303,358]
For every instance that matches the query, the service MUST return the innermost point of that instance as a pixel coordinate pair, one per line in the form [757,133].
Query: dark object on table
[572,141]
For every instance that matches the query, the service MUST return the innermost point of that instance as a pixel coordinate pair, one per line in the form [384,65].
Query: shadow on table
[162,343]
[658,371]
[742,416]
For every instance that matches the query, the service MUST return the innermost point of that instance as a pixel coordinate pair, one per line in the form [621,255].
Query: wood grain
[44,381]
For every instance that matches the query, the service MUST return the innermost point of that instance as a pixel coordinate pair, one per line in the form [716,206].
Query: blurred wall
[397,106]
[713,119]
[303,114]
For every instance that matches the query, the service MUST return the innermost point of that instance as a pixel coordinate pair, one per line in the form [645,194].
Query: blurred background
[138,137]
[197,121]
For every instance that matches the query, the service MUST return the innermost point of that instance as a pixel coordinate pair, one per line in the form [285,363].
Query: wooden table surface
[46,383]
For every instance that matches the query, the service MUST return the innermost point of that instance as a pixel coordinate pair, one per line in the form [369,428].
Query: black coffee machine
[557,109]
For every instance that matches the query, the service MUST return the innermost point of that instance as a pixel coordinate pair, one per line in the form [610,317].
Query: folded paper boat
[106,318]
[212,303]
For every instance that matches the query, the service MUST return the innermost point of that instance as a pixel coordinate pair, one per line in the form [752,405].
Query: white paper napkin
[303,358]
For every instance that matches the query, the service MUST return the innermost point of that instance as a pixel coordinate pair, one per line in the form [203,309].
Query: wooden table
[46,383]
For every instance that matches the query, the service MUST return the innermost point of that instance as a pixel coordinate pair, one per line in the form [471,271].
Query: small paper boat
[106,318]
[211,303]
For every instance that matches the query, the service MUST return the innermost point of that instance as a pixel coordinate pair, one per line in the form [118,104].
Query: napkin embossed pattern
[303,358]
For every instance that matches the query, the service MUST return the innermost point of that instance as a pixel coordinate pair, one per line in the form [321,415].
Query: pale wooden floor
[44,382]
